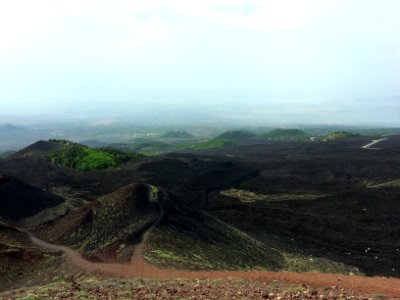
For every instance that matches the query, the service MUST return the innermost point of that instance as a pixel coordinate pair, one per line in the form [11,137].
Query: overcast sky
[311,57]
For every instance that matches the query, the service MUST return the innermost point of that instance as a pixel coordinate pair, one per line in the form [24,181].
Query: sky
[308,61]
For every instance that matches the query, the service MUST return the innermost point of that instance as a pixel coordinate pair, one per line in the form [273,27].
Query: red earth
[139,268]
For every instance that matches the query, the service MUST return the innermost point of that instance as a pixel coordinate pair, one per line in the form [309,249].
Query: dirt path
[138,268]
[374,142]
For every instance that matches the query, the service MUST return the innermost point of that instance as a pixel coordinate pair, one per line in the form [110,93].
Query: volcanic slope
[108,229]
[40,149]
[19,200]
[322,232]
[21,262]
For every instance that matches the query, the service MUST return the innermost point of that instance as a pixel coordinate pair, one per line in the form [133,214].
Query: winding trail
[374,142]
[139,268]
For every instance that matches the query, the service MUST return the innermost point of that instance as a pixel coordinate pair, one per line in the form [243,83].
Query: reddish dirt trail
[138,268]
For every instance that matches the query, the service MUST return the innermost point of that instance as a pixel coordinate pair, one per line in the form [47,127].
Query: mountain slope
[106,229]
[193,239]
[20,200]
[40,149]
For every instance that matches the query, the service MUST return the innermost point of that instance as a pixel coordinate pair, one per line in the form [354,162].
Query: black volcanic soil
[357,228]
[353,224]
[20,200]
[40,149]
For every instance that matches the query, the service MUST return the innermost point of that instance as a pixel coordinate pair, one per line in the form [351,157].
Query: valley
[278,206]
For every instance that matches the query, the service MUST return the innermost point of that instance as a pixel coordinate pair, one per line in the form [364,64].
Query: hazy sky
[311,57]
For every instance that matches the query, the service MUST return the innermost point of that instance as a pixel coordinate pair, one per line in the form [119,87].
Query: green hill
[337,135]
[286,135]
[150,145]
[236,135]
[83,158]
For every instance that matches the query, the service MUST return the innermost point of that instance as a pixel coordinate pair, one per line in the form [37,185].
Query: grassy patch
[303,263]
[168,255]
[83,158]
[248,196]
[286,135]
[338,135]
[30,297]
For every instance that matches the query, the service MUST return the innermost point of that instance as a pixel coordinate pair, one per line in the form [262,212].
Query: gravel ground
[180,289]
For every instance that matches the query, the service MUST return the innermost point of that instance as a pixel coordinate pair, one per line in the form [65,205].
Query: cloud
[294,49]
[24,21]
[260,15]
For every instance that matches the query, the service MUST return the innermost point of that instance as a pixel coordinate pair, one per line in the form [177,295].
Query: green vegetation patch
[83,158]
[286,135]
[303,263]
[338,135]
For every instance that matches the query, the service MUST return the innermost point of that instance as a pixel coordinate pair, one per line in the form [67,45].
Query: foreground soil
[332,286]
[181,289]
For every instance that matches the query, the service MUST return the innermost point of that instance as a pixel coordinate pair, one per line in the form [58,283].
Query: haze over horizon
[250,62]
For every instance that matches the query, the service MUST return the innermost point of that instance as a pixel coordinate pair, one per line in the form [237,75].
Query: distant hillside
[204,145]
[236,135]
[337,135]
[6,153]
[150,147]
[177,134]
[93,143]
[286,135]
[83,158]
[40,149]
[7,128]
[20,200]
